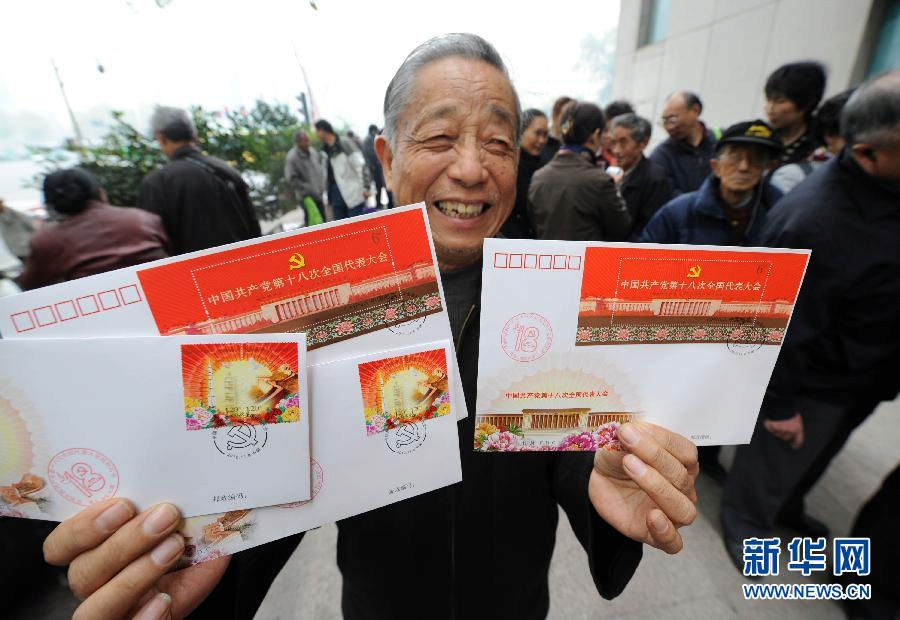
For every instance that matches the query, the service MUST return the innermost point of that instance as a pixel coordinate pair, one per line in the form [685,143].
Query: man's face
[456,150]
[740,167]
[322,135]
[782,112]
[678,119]
[625,148]
[303,142]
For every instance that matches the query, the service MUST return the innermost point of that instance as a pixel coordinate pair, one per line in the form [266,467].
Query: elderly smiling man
[479,548]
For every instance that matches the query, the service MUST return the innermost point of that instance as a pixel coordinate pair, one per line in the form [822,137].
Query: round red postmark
[526,337]
[318,481]
[83,476]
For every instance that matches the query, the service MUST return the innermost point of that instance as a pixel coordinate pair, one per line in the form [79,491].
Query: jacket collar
[873,197]
[708,201]
[183,151]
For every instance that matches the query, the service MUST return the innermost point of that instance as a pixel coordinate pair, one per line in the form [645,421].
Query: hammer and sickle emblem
[694,272]
[407,435]
[297,261]
[242,436]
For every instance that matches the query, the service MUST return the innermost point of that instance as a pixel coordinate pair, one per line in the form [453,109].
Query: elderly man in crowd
[450,140]
[686,152]
[202,201]
[644,185]
[730,207]
[304,169]
[841,355]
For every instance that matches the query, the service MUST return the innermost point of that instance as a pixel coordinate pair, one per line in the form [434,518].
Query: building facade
[724,49]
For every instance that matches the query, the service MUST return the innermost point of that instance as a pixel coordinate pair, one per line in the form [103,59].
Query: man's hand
[119,562]
[790,430]
[647,491]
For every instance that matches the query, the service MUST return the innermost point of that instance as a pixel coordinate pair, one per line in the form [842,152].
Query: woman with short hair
[90,236]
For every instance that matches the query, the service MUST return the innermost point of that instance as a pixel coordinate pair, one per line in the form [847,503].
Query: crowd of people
[813,174]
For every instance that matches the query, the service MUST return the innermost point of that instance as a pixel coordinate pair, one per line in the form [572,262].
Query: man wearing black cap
[730,207]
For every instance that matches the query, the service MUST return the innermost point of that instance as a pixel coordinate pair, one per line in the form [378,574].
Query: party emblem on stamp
[405,438]
[83,476]
[240,441]
[526,337]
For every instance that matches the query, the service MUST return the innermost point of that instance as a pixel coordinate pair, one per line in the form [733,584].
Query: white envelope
[682,336]
[199,421]
[355,468]
[387,293]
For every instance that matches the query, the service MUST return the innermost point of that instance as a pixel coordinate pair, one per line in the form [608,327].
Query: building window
[654,21]
[887,50]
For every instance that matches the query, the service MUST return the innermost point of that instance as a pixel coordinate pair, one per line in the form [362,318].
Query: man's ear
[865,157]
[714,166]
[386,157]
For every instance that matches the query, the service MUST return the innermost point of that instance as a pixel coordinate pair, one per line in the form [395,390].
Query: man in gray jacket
[304,168]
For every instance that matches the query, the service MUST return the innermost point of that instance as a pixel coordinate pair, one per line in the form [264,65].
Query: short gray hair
[639,126]
[463,45]
[872,115]
[173,123]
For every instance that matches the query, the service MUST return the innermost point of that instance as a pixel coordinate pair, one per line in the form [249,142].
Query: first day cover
[209,423]
[681,336]
[354,286]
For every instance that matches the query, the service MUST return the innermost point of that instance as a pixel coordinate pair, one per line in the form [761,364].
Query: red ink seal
[83,476]
[526,337]
[318,481]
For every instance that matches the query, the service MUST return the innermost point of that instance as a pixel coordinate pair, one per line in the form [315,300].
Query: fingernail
[167,550]
[113,517]
[155,608]
[634,465]
[660,524]
[629,434]
[161,519]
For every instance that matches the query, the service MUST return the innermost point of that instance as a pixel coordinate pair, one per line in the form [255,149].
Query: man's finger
[645,446]
[677,445]
[86,530]
[122,592]
[675,504]
[90,570]
[664,535]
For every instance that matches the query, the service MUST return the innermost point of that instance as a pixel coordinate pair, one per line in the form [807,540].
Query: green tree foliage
[254,141]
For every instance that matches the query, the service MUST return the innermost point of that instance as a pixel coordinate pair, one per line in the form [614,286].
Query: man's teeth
[460,209]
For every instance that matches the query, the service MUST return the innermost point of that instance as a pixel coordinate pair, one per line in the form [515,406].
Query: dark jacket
[645,189]
[697,218]
[842,342]
[686,165]
[550,149]
[517,225]
[202,201]
[570,199]
[440,554]
[100,238]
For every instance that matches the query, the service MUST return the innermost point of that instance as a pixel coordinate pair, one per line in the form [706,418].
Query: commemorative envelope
[203,422]
[681,336]
[356,286]
[387,432]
